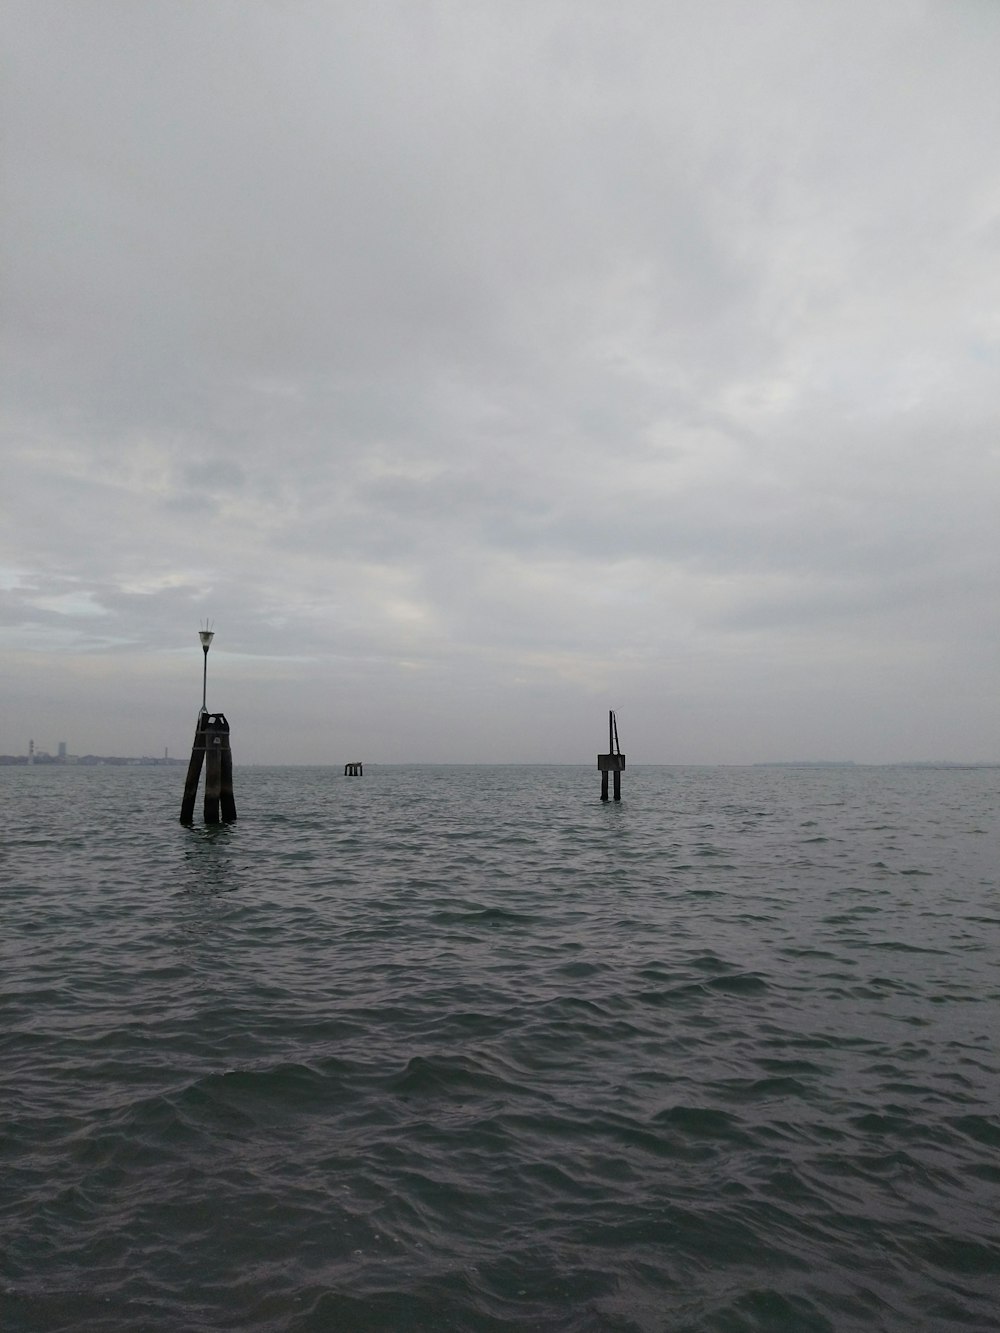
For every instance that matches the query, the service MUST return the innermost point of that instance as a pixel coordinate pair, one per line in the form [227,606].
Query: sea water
[463,1048]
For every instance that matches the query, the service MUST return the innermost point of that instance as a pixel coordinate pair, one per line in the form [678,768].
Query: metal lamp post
[206,635]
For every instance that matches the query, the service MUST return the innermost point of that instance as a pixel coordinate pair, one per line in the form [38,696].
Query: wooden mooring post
[354,769]
[211,748]
[612,762]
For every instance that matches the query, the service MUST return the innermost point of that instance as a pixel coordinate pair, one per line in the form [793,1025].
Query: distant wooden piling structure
[354,769]
[211,748]
[612,762]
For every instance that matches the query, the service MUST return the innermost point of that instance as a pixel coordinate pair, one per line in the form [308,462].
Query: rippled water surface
[463,1048]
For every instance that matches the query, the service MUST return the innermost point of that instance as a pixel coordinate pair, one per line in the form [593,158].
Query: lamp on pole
[206,635]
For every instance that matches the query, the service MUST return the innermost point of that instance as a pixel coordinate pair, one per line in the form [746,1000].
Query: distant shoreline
[145,761]
[87,761]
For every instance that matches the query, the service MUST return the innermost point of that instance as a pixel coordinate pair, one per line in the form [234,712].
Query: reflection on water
[209,861]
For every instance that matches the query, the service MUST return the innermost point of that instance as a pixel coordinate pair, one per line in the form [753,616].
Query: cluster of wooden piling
[211,748]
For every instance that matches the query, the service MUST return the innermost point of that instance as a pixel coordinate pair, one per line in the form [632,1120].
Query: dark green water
[463,1048]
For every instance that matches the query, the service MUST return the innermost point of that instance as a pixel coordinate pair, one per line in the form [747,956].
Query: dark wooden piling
[354,769]
[613,762]
[211,748]
[213,775]
[194,772]
[227,800]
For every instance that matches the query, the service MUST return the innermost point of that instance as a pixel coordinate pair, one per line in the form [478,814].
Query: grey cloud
[433,350]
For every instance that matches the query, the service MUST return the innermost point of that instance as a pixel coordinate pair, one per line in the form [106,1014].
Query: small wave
[707,1122]
[962,1256]
[763,1089]
[740,983]
[483,916]
[900,946]
[449,1077]
[981,1128]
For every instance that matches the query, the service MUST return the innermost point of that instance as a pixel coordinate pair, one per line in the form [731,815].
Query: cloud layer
[480,367]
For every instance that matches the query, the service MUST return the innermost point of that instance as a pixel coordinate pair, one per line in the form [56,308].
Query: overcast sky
[480,366]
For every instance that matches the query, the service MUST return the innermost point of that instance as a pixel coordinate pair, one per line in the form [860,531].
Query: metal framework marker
[612,762]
